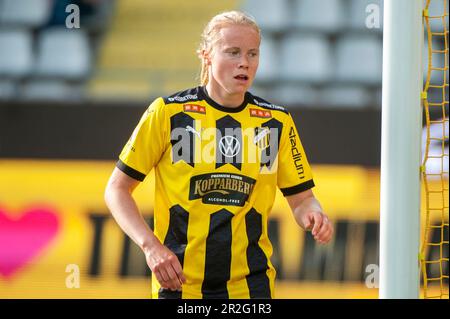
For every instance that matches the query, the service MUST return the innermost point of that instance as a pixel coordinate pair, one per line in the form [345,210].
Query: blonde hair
[210,35]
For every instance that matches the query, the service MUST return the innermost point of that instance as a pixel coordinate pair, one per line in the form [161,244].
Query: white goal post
[400,149]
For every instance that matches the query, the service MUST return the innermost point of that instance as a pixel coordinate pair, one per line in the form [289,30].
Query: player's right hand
[166,267]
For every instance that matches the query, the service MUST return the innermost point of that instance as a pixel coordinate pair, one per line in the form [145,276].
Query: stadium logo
[229,146]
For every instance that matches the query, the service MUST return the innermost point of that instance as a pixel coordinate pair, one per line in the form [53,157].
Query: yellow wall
[73,190]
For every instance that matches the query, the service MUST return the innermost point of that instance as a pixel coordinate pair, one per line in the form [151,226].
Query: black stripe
[183,142]
[176,237]
[176,241]
[130,171]
[168,294]
[257,280]
[269,154]
[228,126]
[218,256]
[297,188]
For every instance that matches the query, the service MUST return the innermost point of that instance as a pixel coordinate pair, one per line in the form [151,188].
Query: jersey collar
[205,95]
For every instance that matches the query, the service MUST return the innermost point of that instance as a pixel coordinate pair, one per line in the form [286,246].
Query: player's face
[234,59]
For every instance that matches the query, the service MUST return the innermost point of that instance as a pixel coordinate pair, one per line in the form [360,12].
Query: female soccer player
[219,154]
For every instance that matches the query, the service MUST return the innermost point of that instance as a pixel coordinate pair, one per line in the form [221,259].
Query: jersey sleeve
[294,172]
[147,143]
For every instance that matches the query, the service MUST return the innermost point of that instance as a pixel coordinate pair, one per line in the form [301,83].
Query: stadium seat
[358,15]
[48,90]
[270,15]
[359,59]
[63,53]
[436,9]
[268,61]
[29,13]
[323,15]
[295,95]
[437,61]
[378,97]
[7,89]
[263,91]
[16,55]
[305,57]
[344,96]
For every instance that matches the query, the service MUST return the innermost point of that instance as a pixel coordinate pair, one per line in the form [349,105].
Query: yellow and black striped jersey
[217,170]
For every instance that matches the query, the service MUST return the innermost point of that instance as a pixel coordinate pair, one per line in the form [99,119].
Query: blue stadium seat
[63,53]
[16,56]
[305,57]
[436,8]
[48,90]
[437,61]
[295,95]
[268,62]
[354,96]
[263,91]
[8,89]
[359,59]
[28,13]
[323,15]
[270,15]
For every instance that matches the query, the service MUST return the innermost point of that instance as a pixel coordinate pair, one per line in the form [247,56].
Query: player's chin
[242,86]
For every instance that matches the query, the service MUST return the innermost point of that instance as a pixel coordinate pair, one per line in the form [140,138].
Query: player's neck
[223,98]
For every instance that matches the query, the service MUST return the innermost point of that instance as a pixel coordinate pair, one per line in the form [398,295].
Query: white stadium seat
[16,56]
[359,59]
[306,58]
[322,15]
[63,53]
[269,14]
[28,13]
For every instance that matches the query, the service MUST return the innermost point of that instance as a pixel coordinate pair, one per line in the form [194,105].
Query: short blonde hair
[210,35]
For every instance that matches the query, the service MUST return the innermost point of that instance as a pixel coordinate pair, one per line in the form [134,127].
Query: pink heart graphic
[24,238]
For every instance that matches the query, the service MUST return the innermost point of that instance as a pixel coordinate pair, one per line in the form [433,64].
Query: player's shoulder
[188,95]
[264,104]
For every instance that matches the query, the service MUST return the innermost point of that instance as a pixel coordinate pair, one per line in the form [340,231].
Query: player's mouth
[242,78]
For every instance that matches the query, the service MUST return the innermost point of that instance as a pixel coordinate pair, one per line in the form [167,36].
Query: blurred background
[75,77]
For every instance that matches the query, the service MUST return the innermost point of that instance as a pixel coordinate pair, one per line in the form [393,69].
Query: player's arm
[309,215]
[162,261]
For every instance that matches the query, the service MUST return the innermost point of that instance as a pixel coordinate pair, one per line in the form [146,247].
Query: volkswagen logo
[229,146]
